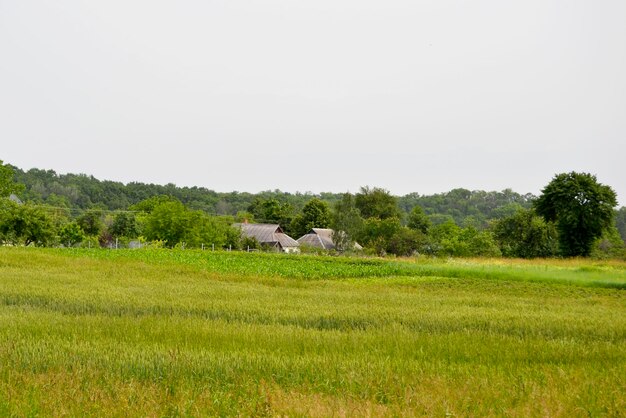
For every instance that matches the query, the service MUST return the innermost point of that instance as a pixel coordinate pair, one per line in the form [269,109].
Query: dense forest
[460,222]
[80,191]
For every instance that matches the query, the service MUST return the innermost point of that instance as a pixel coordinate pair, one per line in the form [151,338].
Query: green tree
[609,245]
[167,222]
[173,223]
[315,214]
[525,235]
[407,242]
[91,222]
[7,184]
[272,211]
[124,225]
[620,222]
[581,208]
[377,203]
[148,205]
[25,224]
[418,220]
[376,234]
[71,234]
[346,222]
[448,239]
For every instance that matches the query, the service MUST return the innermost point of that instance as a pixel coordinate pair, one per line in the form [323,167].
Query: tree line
[81,210]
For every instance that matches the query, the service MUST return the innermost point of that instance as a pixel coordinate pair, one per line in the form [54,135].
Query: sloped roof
[322,238]
[267,234]
[285,240]
[318,237]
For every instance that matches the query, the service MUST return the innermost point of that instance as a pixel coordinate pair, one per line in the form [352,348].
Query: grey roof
[322,238]
[319,238]
[267,234]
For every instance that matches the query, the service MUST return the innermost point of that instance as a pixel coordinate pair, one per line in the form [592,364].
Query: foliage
[25,224]
[124,225]
[71,234]
[418,220]
[376,203]
[346,223]
[168,222]
[7,183]
[296,213]
[526,235]
[377,234]
[315,214]
[272,211]
[149,204]
[79,191]
[448,239]
[90,242]
[407,242]
[620,222]
[250,243]
[91,222]
[581,207]
[609,245]
[174,223]
[458,204]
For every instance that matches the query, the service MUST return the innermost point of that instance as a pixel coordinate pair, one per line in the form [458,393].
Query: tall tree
[315,214]
[377,203]
[91,222]
[7,184]
[124,225]
[346,222]
[418,220]
[581,207]
[272,211]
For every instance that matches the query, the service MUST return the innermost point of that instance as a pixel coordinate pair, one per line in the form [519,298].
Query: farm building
[270,235]
[321,238]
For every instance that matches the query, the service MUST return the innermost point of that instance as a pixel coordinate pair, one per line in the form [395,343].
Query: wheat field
[193,333]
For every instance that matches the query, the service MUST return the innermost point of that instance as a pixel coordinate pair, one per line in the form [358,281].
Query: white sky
[324,95]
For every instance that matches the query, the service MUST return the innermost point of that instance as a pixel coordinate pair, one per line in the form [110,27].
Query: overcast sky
[324,95]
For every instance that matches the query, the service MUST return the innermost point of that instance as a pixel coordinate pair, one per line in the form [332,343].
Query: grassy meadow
[192,333]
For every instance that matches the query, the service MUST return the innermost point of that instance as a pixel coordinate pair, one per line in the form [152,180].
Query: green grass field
[191,333]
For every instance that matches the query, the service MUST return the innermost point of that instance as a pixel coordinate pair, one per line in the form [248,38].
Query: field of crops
[192,333]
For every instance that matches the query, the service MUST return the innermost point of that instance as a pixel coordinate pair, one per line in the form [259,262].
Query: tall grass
[166,333]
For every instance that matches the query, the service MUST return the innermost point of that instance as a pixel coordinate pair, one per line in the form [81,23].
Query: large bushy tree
[25,224]
[418,220]
[91,222]
[71,234]
[581,208]
[526,235]
[315,214]
[377,203]
[124,224]
[272,211]
[449,239]
[173,223]
[7,183]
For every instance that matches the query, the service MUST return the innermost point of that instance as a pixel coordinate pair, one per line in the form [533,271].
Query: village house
[270,236]
[321,238]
